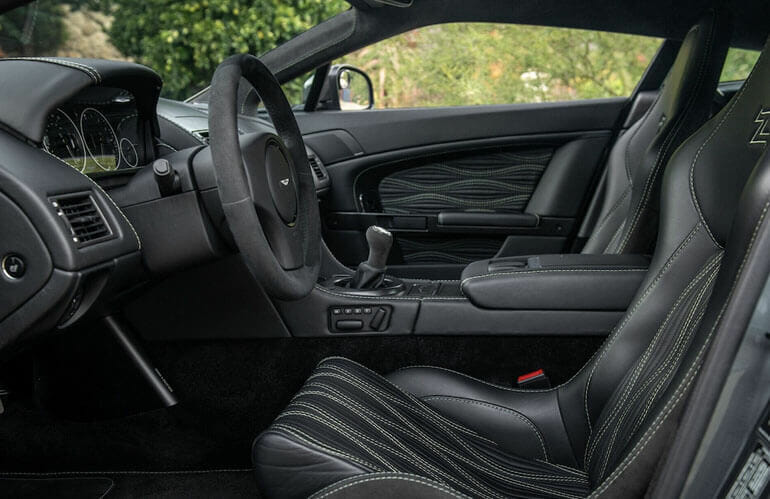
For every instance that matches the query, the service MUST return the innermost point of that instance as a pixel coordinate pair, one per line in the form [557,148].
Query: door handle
[487,219]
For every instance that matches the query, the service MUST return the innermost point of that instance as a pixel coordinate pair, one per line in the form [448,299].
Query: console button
[14,266]
[379,316]
[349,325]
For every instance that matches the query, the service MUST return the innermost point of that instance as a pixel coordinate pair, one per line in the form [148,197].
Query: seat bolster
[518,420]
[288,468]
[510,429]
[387,485]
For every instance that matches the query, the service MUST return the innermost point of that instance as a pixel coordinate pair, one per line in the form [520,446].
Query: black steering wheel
[265,183]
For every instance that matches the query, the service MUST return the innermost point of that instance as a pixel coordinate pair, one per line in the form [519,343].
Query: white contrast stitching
[407,477]
[643,359]
[496,407]
[689,377]
[733,104]
[631,313]
[668,143]
[88,70]
[547,271]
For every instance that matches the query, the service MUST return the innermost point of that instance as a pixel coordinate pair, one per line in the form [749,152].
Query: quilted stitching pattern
[493,181]
[350,412]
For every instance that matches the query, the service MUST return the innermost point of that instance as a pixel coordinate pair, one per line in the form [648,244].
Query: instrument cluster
[96,131]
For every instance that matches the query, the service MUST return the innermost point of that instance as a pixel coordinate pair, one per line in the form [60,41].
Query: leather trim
[386,485]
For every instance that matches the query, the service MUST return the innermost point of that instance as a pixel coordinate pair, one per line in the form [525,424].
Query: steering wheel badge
[280,183]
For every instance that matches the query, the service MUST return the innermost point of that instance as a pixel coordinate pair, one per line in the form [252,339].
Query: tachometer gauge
[100,140]
[62,139]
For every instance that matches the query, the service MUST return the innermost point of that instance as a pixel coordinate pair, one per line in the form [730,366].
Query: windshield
[183,41]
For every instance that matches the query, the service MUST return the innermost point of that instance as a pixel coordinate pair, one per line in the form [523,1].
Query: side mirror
[354,89]
[346,88]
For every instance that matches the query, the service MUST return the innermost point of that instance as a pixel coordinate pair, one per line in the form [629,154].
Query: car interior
[234,296]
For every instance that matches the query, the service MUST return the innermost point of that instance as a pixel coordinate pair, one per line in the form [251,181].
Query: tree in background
[32,30]
[474,63]
[185,40]
[738,64]
[445,65]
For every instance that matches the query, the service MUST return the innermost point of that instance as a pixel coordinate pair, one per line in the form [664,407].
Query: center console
[569,294]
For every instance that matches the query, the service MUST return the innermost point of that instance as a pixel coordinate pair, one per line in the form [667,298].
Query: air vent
[202,135]
[318,170]
[83,218]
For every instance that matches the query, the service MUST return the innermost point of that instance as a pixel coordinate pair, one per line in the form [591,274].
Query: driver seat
[429,432]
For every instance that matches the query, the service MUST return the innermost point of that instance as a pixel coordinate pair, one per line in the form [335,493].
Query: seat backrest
[627,220]
[614,406]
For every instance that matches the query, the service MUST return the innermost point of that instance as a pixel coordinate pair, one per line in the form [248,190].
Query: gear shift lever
[371,272]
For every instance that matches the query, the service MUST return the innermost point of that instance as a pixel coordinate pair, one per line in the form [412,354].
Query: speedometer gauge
[100,140]
[62,139]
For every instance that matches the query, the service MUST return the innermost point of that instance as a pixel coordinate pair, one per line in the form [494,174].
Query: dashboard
[97,130]
[91,221]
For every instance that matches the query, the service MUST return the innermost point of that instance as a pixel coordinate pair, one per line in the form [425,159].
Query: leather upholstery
[555,282]
[627,221]
[602,431]
[387,485]
[351,413]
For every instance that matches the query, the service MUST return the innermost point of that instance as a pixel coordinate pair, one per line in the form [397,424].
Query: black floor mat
[233,484]
[229,391]
[59,487]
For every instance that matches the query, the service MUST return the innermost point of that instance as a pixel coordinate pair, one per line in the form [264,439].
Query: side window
[738,64]
[501,64]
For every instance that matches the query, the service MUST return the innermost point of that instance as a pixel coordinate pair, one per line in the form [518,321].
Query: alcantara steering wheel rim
[265,183]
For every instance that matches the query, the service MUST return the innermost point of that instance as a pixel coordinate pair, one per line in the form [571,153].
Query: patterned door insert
[500,181]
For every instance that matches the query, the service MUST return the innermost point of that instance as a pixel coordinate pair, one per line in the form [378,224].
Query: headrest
[728,147]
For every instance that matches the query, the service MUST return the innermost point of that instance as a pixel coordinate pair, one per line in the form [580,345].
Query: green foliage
[445,65]
[738,64]
[473,64]
[32,30]
[185,40]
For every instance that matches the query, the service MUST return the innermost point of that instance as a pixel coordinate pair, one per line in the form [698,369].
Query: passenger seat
[627,220]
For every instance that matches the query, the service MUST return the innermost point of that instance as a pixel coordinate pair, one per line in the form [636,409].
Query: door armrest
[555,282]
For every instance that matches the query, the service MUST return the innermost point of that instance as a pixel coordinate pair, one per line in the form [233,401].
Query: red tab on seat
[533,374]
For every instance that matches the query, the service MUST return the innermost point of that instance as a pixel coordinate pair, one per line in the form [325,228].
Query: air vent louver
[202,135]
[83,218]
[320,174]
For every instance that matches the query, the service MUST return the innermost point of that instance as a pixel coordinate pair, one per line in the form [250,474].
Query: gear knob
[371,273]
[380,241]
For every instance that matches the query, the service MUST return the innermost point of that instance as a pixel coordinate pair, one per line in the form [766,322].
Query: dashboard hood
[27,84]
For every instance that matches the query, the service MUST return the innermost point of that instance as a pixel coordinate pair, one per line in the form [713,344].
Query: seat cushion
[525,423]
[347,420]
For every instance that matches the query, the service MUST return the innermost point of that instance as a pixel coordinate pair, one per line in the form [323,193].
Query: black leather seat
[429,432]
[630,192]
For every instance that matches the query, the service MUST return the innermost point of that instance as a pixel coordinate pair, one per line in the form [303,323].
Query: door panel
[380,130]
[459,184]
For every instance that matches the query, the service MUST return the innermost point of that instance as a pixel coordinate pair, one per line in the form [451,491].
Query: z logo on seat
[761,133]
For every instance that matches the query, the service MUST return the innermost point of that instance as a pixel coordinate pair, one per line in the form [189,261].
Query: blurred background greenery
[455,64]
